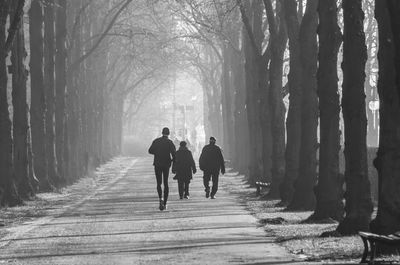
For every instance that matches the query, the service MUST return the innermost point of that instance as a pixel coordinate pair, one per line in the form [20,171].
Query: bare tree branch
[110,25]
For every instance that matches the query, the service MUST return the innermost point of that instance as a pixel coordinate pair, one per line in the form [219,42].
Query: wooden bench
[260,185]
[372,239]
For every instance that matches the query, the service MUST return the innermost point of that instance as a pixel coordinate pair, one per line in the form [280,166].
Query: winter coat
[163,150]
[211,159]
[184,164]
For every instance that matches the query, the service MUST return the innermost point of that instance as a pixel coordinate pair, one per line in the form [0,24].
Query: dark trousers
[183,188]
[162,174]
[206,181]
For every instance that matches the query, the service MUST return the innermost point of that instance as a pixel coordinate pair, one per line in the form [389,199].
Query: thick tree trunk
[20,112]
[60,83]
[50,91]
[241,124]
[38,102]
[358,195]
[387,162]
[293,122]
[8,191]
[394,9]
[278,39]
[329,191]
[226,102]
[304,198]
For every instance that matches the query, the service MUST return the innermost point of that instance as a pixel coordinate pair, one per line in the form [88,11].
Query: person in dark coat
[183,166]
[211,163]
[163,150]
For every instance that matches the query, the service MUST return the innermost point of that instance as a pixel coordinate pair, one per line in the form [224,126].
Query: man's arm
[152,148]
[172,151]
[222,161]
[193,163]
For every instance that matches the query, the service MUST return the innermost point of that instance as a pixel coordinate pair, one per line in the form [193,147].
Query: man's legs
[206,182]
[215,176]
[158,172]
[165,172]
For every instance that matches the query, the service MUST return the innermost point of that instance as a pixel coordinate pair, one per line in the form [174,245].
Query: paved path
[121,224]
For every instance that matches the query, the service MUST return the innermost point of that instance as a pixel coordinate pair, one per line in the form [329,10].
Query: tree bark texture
[241,125]
[304,198]
[256,93]
[387,162]
[358,206]
[278,40]
[50,91]
[20,112]
[60,83]
[38,102]
[8,191]
[293,121]
[394,9]
[329,191]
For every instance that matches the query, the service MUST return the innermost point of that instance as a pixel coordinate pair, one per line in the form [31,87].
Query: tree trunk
[304,198]
[60,83]
[394,9]
[50,90]
[8,191]
[293,122]
[241,124]
[278,40]
[38,102]
[358,195]
[329,191]
[387,162]
[20,112]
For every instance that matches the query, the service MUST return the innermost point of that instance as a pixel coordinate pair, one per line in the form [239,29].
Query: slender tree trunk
[38,102]
[20,112]
[304,198]
[329,191]
[60,84]
[358,195]
[50,90]
[293,122]
[387,162]
[8,191]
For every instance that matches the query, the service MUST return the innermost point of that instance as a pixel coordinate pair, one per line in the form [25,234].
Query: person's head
[165,131]
[182,144]
[212,140]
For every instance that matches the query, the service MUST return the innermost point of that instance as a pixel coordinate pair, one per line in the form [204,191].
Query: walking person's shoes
[165,206]
[207,193]
[186,196]
[181,197]
[213,197]
[162,205]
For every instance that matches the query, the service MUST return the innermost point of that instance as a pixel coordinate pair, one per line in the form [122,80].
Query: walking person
[183,166]
[211,163]
[163,150]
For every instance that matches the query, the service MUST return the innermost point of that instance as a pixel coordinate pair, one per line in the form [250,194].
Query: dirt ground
[298,238]
[302,239]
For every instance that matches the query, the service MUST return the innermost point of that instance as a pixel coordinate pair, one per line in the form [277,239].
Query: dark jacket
[211,159]
[184,164]
[163,150]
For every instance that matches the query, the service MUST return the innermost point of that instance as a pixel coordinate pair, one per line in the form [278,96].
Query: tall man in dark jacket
[163,150]
[211,163]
